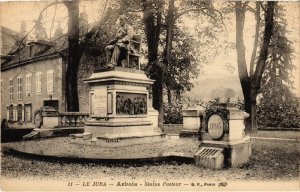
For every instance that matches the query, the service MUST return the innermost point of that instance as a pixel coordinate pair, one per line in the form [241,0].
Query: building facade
[32,78]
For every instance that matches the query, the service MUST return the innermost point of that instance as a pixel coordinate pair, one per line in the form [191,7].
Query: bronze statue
[119,43]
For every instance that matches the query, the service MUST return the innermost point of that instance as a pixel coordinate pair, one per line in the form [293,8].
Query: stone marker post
[222,133]
[191,121]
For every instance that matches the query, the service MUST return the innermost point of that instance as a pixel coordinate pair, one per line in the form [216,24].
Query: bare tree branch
[46,7]
[262,6]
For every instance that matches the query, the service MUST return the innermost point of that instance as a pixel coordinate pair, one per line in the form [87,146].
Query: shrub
[272,114]
[173,113]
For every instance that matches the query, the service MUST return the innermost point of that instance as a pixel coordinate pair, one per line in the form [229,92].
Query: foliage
[272,114]
[173,113]
[278,107]
[183,65]
[276,82]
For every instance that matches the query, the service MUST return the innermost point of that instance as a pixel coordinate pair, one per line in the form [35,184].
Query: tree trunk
[158,97]
[73,56]
[152,19]
[257,27]
[241,58]
[250,108]
[169,40]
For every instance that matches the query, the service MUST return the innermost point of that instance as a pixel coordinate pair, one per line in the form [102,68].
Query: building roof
[9,39]
[34,51]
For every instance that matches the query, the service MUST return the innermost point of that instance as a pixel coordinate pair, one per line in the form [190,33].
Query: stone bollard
[223,129]
[191,121]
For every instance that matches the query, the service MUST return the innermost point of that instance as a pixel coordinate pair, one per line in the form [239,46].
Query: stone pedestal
[120,111]
[50,118]
[223,128]
[191,121]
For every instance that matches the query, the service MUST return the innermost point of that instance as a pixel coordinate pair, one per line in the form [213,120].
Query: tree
[251,82]
[73,55]
[75,50]
[163,71]
[278,106]
[152,17]
[276,82]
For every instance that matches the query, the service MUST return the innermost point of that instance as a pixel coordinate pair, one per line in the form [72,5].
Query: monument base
[117,132]
[235,152]
[121,111]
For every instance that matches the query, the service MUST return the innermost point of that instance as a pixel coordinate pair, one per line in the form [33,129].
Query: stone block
[191,118]
[235,113]
[209,157]
[191,123]
[50,122]
[153,117]
[86,136]
[236,130]
[239,153]
[193,112]
[235,153]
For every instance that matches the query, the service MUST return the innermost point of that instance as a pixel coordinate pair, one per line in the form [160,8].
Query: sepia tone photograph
[150,95]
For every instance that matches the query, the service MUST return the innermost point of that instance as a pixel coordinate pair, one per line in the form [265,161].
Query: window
[11,113]
[28,113]
[28,84]
[19,86]
[11,89]
[20,112]
[15,113]
[38,82]
[50,75]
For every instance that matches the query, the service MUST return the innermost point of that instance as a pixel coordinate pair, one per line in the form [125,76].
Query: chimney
[40,31]
[58,32]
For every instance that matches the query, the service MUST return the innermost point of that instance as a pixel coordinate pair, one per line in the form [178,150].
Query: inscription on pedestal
[131,103]
[99,102]
[215,126]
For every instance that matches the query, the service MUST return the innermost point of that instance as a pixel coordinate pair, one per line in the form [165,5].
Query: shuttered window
[19,88]
[38,82]
[11,89]
[28,84]
[50,77]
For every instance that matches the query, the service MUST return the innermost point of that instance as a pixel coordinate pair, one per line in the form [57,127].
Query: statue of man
[119,43]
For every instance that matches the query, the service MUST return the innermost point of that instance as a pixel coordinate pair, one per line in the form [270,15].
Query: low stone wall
[172,128]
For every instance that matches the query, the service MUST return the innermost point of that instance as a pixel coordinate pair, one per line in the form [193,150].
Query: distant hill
[207,88]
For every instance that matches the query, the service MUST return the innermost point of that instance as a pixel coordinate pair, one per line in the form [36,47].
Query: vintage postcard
[150,95]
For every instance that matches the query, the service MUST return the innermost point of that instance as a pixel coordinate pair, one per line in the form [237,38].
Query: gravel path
[269,161]
[62,147]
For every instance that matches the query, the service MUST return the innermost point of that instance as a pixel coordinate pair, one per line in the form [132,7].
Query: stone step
[209,157]
[32,135]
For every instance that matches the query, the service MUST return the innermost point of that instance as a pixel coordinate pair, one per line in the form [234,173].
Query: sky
[12,13]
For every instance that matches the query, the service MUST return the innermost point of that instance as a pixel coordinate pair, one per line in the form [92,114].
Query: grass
[278,134]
